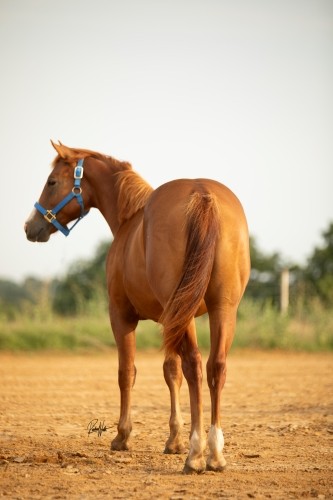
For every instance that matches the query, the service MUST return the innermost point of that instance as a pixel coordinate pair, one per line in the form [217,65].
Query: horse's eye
[51,182]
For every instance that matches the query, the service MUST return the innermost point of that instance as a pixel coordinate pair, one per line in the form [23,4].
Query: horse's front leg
[126,379]
[173,376]
[192,369]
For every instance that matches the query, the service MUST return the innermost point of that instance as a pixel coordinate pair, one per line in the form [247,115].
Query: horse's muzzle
[37,229]
[41,236]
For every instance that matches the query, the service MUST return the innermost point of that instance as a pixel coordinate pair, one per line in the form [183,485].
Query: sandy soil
[278,427]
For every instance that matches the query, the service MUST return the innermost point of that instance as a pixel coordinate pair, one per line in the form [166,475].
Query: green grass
[258,327]
[55,334]
[305,329]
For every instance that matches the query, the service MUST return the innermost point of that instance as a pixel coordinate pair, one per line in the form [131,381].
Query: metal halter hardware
[51,215]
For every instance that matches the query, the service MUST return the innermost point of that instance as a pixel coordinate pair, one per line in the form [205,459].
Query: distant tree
[33,288]
[264,283]
[83,283]
[12,293]
[14,297]
[318,274]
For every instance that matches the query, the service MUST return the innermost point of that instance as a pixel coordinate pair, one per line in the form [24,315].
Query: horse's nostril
[25,227]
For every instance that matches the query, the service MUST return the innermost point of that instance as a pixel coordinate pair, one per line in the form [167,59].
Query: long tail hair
[202,228]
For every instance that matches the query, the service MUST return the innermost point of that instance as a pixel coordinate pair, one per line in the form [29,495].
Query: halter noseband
[51,215]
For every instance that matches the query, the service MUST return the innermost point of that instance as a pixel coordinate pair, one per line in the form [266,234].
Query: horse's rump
[202,230]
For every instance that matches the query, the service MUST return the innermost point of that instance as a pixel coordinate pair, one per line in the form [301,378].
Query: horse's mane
[133,193]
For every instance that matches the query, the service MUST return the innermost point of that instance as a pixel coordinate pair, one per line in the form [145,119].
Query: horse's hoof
[174,450]
[117,445]
[219,468]
[216,465]
[198,468]
[189,470]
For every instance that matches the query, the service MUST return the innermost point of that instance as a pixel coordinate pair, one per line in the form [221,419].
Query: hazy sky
[236,90]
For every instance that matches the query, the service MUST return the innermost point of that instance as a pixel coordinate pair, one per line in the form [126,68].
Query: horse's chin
[42,236]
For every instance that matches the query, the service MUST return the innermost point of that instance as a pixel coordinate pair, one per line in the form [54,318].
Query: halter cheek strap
[51,215]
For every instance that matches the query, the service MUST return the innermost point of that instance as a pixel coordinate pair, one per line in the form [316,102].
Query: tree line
[84,285]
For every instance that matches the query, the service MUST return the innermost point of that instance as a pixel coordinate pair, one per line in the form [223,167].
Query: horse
[178,251]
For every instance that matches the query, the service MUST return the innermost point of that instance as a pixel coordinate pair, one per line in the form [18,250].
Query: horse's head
[63,198]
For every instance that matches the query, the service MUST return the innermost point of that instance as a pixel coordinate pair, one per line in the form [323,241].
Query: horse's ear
[63,151]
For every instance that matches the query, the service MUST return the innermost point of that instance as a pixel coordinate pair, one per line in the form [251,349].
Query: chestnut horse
[178,251]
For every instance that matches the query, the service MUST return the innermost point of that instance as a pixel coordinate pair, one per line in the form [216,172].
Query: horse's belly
[150,308]
[145,305]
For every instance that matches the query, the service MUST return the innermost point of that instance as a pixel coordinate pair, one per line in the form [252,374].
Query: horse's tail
[202,228]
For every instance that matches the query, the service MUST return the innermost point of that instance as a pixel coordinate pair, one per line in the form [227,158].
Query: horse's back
[177,192]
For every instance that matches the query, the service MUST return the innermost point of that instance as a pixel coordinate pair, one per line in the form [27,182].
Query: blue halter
[51,215]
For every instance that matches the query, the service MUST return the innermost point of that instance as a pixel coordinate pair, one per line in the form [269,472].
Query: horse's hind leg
[222,332]
[192,369]
[173,376]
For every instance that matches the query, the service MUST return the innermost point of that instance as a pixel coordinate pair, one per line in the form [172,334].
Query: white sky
[237,90]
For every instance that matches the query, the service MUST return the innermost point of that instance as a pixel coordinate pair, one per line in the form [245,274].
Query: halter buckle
[78,172]
[49,216]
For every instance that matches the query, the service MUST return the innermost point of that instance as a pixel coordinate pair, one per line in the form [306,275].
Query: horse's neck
[119,192]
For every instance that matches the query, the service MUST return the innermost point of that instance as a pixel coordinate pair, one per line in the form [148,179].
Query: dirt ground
[278,427]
